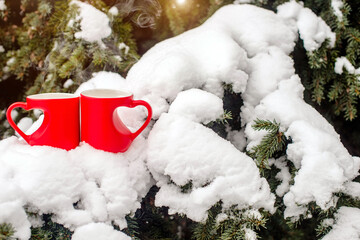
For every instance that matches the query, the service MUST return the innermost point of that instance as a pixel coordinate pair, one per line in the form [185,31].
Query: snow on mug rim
[52,96]
[105,93]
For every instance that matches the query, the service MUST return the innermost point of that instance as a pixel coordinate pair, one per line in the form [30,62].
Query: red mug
[101,127]
[60,127]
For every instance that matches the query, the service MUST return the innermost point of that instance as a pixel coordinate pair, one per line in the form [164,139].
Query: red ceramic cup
[101,126]
[60,127]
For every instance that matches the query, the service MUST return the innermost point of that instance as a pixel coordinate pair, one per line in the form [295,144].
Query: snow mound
[316,150]
[252,58]
[108,80]
[217,171]
[208,56]
[313,30]
[347,225]
[96,231]
[103,186]
[198,105]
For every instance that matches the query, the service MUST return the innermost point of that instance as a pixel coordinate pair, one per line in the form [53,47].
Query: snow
[353,189]
[198,106]
[253,214]
[6,69]
[94,24]
[262,58]
[124,46]
[313,30]
[2,5]
[24,124]
[2,49]
[11,61]
[347,225]
[267,73]
[328,222]
[337,5]
[114,11]
[108,80]
[283,175]
[14,113]
[95,231]
[208,56]
[106,186]
[68,83]
[316,150]
[342,63]
[237,138]
[250,234]
[183,78]
[36,124]
[217,170]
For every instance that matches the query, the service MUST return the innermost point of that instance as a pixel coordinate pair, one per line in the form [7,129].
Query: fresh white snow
[347,225]
[125,47]
[96,231]
[270,89]
[94,24]
[337,5]
[108,80]
[68,83]
[283,175]
[342,63]
[114,11]
[198,105]
[183,78]
[43,179]
[24,124]
[182,151]
[313,30]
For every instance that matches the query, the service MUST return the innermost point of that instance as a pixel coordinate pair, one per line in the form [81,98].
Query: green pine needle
[6,231]
[273,142]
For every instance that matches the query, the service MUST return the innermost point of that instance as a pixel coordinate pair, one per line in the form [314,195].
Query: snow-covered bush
[253,58]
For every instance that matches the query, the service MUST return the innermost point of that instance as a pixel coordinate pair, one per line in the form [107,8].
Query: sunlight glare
[180,2]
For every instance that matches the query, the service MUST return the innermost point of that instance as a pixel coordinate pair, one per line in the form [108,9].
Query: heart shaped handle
[148,119]
[11,121]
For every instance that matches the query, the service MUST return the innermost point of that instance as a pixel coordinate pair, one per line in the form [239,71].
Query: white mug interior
[52,96]
[105,93]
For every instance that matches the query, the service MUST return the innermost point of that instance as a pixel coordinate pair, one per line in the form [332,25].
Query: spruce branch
[40,234]
[51,230]
[6,231]
[227,115]
[132,227]
[274,141]
[323,228]
[207,230]
[238,220]
[232,227]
